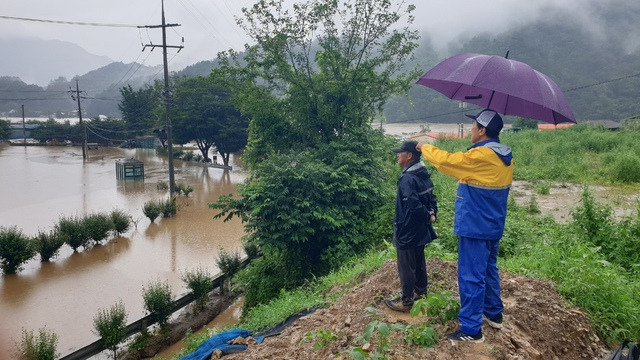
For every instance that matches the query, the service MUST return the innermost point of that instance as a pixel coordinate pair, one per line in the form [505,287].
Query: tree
[310,80]
[204,113]
[5,130]
[110,324]
[140,108]
[311,88]
[524,123]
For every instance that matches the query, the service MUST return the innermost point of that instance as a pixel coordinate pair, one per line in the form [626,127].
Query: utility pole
[24,129]
[75,95]
[166,92]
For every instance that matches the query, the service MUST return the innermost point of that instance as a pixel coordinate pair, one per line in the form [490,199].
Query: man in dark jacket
[416,209]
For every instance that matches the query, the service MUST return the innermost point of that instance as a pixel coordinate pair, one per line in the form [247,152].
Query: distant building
[20,132]
[608,124]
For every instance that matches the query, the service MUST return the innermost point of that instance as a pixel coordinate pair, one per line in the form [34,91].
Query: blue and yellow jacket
[485,173]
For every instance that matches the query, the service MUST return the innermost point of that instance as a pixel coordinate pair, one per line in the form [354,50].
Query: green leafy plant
[200,284]
[110,325]
[75,232]
[543,188]
[320,336]
[158,301]
[533,207]
[48,244]
[152,209]
[593,218]
[375,334]
[15,249]
[228,263]
[41,346]
[439,305]
[251,250]
[121,221]
[423,335]
[162,185]
[184,189]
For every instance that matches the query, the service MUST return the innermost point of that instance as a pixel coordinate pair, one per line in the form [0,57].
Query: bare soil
[538,323]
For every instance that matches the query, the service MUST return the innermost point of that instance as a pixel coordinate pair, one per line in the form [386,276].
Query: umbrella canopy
[507,86]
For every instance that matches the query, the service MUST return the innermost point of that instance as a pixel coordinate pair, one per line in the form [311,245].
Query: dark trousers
[412,268]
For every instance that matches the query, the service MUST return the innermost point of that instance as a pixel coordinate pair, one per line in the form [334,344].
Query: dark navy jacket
[414,200]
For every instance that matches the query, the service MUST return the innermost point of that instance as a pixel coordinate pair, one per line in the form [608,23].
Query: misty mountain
[597,66]
[596,63]
[38,61]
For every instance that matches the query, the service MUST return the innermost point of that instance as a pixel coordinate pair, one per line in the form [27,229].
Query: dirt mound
[538,324]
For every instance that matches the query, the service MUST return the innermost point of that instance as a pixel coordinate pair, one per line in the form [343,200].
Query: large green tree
[312,79]
[140,109]
[205,114]
[316,78]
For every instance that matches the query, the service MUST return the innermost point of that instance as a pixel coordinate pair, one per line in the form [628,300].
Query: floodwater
[38,185]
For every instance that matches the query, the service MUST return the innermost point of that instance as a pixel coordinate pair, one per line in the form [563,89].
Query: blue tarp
[219,342]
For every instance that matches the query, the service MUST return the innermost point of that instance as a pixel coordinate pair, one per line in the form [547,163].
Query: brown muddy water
[38,185]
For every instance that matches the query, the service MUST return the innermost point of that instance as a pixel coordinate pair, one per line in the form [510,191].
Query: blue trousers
[478,282]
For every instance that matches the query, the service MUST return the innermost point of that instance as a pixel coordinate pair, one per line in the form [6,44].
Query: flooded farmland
[38,185]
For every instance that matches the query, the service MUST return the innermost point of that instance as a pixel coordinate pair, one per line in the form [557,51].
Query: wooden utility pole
[166,92]
[24,128]
[75,95]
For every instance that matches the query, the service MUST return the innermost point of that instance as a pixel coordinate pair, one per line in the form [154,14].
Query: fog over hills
[38,61]
[584,45]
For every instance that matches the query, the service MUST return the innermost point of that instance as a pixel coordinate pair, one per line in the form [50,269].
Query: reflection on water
[38,185]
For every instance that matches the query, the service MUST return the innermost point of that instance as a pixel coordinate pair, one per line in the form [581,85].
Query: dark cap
[408,146]
[490,120]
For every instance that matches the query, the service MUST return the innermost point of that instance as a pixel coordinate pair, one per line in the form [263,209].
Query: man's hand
[419,146]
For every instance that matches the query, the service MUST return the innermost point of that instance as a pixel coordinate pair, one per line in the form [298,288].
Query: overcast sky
[208,26]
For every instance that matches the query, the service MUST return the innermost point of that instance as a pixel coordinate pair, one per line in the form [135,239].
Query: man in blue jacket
[416,209]
[485,173]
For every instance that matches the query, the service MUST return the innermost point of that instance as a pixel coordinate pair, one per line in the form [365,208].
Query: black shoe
[494,322]
[419,296]
[460,336]
[397,305]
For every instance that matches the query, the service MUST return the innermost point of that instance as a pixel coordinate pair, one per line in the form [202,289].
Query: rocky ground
[538,324]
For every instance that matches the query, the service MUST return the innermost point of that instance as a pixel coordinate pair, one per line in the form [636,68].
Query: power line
[602,82]
[65,22]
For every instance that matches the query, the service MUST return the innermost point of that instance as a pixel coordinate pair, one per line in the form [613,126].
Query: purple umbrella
[507,86]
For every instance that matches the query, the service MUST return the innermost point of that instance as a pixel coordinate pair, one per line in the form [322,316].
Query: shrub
[188,156]
[74,232]
[533,207]
[169,207]
[37,347]
[97,226]
[15,249]
[152,209]
[251,250]
[162,185]
[121,221]
[228,263]
[593,218]
[524,123]
[158,301]
[49,244]
[543,188]
[200,284]
[187,190]
[110,325]
[184,189]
